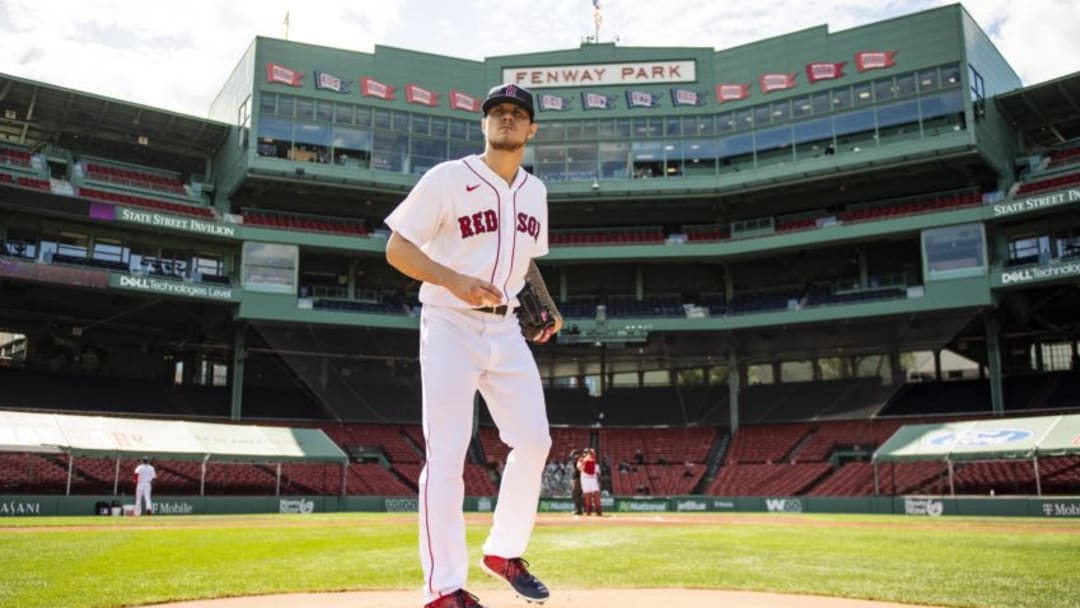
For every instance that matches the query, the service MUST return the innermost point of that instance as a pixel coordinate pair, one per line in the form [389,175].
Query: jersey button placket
[507,226]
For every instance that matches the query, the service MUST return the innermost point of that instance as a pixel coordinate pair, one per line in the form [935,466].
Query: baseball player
[590,482]
[144,477]
[469,230]
[575,488]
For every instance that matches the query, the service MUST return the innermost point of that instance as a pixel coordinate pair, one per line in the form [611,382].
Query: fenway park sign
[650,72]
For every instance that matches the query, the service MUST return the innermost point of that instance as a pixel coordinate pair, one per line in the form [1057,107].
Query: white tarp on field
[993,439]
[29,433]
[99,435]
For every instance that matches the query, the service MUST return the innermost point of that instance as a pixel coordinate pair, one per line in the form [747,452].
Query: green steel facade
[375,124]
[685,139]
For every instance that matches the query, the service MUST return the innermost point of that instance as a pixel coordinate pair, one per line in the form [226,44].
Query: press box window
[978,94]
[954,252]
[243,122]
[270,267]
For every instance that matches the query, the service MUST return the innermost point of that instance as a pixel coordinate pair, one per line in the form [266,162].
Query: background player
[469,230]
[144,478]
[590,482]
[575,487]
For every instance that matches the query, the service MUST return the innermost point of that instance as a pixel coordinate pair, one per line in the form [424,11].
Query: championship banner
[641,99]
[554,102]
[461,101]
[776,82]
[596,101]
[421,96]
[686,97]
[282,75]
[369,87]
[330,82]
[874,60]
[732,92]
[824,71]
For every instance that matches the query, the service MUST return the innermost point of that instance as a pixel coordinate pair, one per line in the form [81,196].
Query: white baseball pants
[462,351]
[142,492]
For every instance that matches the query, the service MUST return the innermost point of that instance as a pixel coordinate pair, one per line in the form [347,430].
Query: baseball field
[106,562]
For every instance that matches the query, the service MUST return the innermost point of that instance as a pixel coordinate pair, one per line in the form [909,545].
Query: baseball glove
[536,321]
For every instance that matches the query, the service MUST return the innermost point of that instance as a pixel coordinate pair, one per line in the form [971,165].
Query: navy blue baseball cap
[510,93]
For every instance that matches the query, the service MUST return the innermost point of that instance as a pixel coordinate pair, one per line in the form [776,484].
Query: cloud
[169,54]
[1039,41]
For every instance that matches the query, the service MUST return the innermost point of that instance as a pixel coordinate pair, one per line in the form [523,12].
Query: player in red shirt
[590,482]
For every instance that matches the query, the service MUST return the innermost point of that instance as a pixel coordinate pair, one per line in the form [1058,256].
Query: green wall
[928,506]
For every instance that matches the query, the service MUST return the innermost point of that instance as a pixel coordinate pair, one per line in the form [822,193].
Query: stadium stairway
[716,457]
[792,455]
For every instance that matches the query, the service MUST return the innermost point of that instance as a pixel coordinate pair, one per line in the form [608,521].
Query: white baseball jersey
[467,218]
[591,482]
[145,473]
[462,215]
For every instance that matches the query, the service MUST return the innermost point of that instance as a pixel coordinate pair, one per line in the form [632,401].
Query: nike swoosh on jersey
[471,188]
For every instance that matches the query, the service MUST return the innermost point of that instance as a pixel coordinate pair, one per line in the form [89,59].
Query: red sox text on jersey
[486,221]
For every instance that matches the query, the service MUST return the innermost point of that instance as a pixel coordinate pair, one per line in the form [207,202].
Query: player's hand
[548,332]
[475,292]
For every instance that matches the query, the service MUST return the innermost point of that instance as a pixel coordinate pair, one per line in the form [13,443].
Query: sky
[177,55]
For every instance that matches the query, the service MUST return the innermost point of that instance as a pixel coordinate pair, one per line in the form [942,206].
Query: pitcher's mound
[583,598]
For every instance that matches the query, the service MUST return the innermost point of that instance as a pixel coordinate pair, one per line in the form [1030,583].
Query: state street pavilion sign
[594,74]
[1036,202]
[174,222]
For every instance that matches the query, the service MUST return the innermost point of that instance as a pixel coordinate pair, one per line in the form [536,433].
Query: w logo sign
[783,505]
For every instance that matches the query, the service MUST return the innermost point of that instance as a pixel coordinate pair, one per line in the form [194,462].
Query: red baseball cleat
[515,572]
[457,599]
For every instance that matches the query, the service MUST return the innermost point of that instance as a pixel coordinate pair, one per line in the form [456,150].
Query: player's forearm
[409,260]
[533,276]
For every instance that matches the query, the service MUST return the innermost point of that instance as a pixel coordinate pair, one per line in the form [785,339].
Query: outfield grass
[972,562]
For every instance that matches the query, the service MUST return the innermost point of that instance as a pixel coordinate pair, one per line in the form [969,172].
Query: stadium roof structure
[997,439]
[37,111]
[1047,113]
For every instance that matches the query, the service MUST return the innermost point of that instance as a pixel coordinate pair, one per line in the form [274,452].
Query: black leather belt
[495,310]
